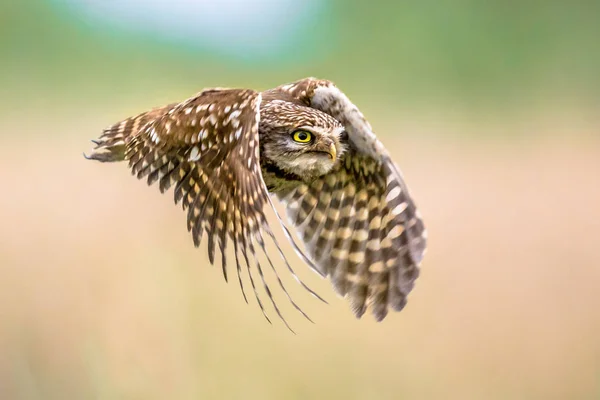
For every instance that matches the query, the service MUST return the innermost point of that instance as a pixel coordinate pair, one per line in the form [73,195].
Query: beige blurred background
[491,111]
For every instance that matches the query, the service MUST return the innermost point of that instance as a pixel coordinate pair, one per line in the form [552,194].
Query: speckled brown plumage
[224,150]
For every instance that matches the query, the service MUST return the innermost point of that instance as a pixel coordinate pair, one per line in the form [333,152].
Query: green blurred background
[490,109]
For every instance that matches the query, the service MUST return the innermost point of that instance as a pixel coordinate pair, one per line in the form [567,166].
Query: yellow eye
[302,136]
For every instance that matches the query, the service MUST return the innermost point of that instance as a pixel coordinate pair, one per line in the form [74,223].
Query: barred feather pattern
[359,222]
[356,224]
[207,149]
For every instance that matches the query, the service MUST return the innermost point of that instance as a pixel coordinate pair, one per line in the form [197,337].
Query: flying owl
[227,151]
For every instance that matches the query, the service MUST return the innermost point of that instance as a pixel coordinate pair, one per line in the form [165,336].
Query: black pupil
[302,136]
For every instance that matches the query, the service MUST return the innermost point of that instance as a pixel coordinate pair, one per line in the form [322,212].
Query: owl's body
[307,144]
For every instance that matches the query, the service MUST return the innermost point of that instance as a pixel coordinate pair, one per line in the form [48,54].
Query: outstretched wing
[359,222]
[207,148]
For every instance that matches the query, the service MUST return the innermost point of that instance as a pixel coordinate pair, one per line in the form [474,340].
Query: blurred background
[491,109]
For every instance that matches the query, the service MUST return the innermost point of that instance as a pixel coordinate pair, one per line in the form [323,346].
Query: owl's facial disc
[315,143]
[310,151]
[300,140]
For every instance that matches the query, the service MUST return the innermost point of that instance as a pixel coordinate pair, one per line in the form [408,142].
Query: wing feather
[364,230]
[206,147]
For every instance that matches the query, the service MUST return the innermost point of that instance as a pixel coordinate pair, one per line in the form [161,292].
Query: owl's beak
[332,151]
[324,148]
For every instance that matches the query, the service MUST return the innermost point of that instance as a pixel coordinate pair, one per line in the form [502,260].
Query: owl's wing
[359,223]
[207,147]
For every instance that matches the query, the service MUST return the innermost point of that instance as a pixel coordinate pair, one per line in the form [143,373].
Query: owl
[230,152]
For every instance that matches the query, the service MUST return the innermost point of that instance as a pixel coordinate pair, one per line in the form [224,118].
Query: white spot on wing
[233,116]
[399,209]
[395,192]
[194,154]
[154,136]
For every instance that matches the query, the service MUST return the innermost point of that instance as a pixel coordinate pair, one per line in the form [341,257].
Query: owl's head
[300,140]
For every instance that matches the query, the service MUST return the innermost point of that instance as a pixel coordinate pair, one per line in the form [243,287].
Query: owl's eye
[302,136]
